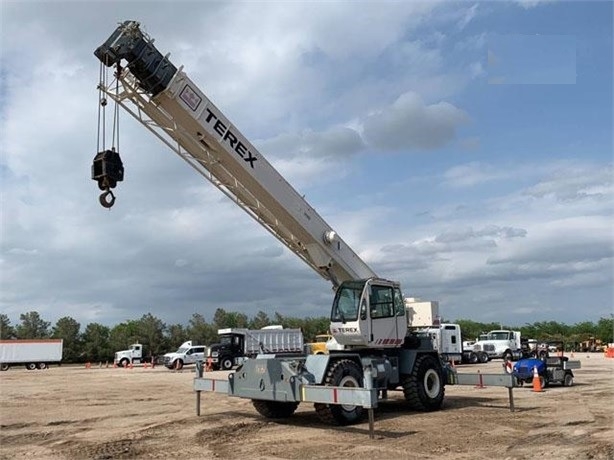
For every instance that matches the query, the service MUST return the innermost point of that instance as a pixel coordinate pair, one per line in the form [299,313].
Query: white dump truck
[34,354]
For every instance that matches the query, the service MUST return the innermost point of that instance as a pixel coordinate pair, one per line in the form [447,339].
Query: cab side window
[381,300]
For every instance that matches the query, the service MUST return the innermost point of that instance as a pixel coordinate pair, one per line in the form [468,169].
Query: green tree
[605,330]
[151,335]
[96,343]
[6,330]
[67,329]
[176,335]
[201,332]
[259,321]
[32,326]
[223,319]
[124,334]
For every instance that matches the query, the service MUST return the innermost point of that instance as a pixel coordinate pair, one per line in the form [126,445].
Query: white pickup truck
[185,354]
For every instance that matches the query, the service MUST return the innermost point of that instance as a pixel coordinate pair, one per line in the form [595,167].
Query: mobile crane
[368,315]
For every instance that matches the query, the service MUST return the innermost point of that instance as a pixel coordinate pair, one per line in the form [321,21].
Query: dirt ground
[107,413]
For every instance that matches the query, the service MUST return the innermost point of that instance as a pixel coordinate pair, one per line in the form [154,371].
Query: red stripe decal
[334,395]
[213,385]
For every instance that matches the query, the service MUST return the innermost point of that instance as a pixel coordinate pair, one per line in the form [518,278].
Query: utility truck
[236,345]
[33,354]
[381,352]
[500,344]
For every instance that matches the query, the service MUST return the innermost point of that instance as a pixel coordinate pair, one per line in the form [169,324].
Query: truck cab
[223,354]
[500,344]
[133,355]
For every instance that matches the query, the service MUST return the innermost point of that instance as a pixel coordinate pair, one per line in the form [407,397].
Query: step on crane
[368,315]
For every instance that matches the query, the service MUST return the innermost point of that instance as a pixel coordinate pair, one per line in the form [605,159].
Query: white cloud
[411,124]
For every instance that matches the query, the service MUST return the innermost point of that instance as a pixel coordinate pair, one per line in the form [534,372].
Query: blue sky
[462,148]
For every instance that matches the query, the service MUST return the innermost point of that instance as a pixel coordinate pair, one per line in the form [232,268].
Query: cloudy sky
[462,148]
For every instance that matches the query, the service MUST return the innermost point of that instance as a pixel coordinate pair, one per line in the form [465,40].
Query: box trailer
[34,354]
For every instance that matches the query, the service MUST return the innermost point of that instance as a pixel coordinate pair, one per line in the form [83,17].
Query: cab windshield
[346,303]
[498,335]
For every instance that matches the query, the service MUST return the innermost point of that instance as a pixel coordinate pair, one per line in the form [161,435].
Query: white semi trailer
[34,354]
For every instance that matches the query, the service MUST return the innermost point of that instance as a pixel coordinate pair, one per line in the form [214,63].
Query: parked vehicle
[322,345]
[33,354]
[500,344]
[186,354]
[238,344]
[133,355]
[551,369]
[472,356]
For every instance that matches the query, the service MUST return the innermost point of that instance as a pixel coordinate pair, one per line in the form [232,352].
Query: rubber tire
[178,364]
[508,356]
[274,409]
[31,366]
[4,367]
[568,380]
[473,358]
[483,358]
[342,373]
[426,373]
[226,364]
[42,366]
[124,362]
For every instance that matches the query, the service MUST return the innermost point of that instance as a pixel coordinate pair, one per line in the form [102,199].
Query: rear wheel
[568,380]
[274,409]
[424,388]
[31,366]
[473,358]
[483,357]
[4,367]
[42,366]
[342,373]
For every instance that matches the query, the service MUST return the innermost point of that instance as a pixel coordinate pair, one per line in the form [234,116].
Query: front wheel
[342,373]
[274,409]
[508,356]
[226,364]
[424,388]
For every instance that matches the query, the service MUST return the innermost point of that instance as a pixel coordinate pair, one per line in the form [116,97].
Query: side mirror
[363,309]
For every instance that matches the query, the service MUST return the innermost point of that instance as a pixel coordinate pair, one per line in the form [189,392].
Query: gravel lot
[106,413]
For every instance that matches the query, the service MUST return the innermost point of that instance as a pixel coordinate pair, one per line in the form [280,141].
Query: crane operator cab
[369,313]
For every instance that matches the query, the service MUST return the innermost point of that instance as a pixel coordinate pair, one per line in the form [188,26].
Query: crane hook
[107,199]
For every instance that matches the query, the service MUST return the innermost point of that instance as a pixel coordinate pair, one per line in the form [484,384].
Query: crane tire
[424,387]
[274,409]
[342,373]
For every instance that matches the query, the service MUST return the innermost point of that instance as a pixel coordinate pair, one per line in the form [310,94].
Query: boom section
[169,104]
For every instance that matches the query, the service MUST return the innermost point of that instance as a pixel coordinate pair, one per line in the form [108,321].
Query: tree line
[97,342]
